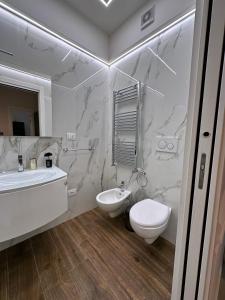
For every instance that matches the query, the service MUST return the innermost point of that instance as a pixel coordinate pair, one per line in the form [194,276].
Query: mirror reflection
[18,111]
[56,70]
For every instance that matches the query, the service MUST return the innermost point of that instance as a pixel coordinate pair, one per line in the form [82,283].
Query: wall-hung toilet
[149,219]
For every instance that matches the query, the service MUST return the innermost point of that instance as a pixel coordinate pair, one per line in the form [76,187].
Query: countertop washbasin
[30,200]
[11,181]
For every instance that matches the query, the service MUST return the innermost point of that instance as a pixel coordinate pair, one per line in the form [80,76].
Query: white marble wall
[29,147]
[164,71]
[82,111]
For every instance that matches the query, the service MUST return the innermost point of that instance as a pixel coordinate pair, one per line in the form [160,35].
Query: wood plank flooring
[89,257]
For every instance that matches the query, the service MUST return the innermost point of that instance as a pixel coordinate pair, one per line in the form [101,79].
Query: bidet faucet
[20,163]
[122,186]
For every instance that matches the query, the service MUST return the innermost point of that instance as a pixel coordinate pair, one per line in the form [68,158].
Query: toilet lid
[150,213]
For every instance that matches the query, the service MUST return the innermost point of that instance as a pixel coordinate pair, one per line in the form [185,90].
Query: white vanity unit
[31,199]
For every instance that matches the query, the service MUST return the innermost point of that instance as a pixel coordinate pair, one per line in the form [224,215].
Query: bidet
[112,201]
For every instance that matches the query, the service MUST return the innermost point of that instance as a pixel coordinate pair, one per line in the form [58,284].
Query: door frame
[213,244]
[197,67]
[189,280]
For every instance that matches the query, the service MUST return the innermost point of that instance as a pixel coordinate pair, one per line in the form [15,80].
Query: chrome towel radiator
[126,126]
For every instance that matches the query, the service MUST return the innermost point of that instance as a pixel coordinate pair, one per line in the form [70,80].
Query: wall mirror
[25,104]
[19,115]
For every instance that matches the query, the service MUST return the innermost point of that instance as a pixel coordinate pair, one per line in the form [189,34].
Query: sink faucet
[20,163]
[122,186]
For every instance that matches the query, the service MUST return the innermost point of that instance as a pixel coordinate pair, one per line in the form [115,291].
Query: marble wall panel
[163,68]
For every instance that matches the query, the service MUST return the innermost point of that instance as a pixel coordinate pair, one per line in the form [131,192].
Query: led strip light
[105,2]
[151,37]
[72,44]
[56,35]
[25,73]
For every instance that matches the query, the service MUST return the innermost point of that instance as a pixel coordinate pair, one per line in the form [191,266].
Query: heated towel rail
[126,126]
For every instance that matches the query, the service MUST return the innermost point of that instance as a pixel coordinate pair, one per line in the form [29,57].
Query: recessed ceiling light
[106,2]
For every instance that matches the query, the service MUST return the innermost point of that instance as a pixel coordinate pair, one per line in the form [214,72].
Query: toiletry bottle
[48,160]
[20,163]
[33,163]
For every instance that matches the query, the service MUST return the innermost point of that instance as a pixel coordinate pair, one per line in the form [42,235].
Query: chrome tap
[122,186]
[20,163]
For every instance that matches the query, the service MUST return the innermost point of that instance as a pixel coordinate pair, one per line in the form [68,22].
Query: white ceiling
[108,18]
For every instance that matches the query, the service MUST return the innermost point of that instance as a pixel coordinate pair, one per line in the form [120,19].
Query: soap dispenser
[48,159]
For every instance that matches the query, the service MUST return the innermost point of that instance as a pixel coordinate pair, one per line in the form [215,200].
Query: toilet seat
[150,213]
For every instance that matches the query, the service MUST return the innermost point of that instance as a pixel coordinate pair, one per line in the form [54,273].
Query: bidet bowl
[112,201]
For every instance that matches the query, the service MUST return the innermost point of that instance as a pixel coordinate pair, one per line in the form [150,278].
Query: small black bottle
[48,160]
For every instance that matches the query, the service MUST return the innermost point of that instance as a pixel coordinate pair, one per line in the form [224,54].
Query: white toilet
[149,219]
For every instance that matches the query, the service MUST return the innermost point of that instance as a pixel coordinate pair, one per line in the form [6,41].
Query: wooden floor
[221,295]
[89,257]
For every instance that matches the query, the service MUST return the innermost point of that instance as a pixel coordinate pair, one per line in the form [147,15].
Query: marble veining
[164,113]
[82,103]
[29,147]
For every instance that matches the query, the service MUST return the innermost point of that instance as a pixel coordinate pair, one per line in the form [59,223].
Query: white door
[203,145]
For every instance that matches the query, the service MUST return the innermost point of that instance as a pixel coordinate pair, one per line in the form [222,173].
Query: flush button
[170,146]
[162,144]
[167,144]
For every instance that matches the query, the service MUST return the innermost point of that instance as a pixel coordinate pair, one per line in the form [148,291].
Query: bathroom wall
[82,111]
[164,71]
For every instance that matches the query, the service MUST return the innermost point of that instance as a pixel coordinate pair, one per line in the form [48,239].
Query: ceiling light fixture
[106,2]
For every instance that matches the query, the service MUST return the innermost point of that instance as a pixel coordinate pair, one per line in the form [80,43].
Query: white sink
[31,199]
[112,201]
[12,181]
